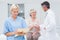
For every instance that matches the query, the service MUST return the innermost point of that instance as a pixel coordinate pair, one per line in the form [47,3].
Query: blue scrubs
[11,25]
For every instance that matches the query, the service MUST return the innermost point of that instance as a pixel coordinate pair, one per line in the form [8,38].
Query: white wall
[36,4]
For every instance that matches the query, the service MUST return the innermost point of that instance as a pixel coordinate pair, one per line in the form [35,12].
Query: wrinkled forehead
[33,11]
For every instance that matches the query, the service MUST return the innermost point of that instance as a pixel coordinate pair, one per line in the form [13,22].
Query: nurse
[13,23]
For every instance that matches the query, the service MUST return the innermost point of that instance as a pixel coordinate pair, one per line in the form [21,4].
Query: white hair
[14,6]
[32,10]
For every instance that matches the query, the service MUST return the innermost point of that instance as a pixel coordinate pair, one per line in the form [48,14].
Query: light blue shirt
[11,25]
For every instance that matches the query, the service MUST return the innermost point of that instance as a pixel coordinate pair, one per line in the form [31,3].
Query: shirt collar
[48,10]
[12,18]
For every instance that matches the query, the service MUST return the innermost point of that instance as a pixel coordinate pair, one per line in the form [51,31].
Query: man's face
[44,8]
[14,12]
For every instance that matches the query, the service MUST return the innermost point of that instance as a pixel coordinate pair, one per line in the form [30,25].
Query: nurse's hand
[19,32]
[10,33]
[14,33]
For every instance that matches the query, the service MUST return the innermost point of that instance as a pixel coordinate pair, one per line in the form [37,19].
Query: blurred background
[25,6]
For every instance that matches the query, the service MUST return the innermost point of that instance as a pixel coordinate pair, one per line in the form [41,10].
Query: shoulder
[20,18]
[50,11]
[7,19]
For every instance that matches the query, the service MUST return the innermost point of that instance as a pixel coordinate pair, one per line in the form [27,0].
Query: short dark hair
[46,3]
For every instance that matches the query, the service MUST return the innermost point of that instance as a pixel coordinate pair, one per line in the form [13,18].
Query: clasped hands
[37,27]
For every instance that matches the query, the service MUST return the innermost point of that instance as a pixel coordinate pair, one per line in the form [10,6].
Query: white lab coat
[50,25]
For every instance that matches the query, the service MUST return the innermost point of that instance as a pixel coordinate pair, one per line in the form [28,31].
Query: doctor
[49,23]
[13,23]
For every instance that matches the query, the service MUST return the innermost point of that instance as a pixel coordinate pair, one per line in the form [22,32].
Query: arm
[50,22]
[6,29]
[9,33]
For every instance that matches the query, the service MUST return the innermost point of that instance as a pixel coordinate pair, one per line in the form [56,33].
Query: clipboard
[23,31]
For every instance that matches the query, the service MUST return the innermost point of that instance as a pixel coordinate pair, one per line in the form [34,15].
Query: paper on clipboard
[22,30]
